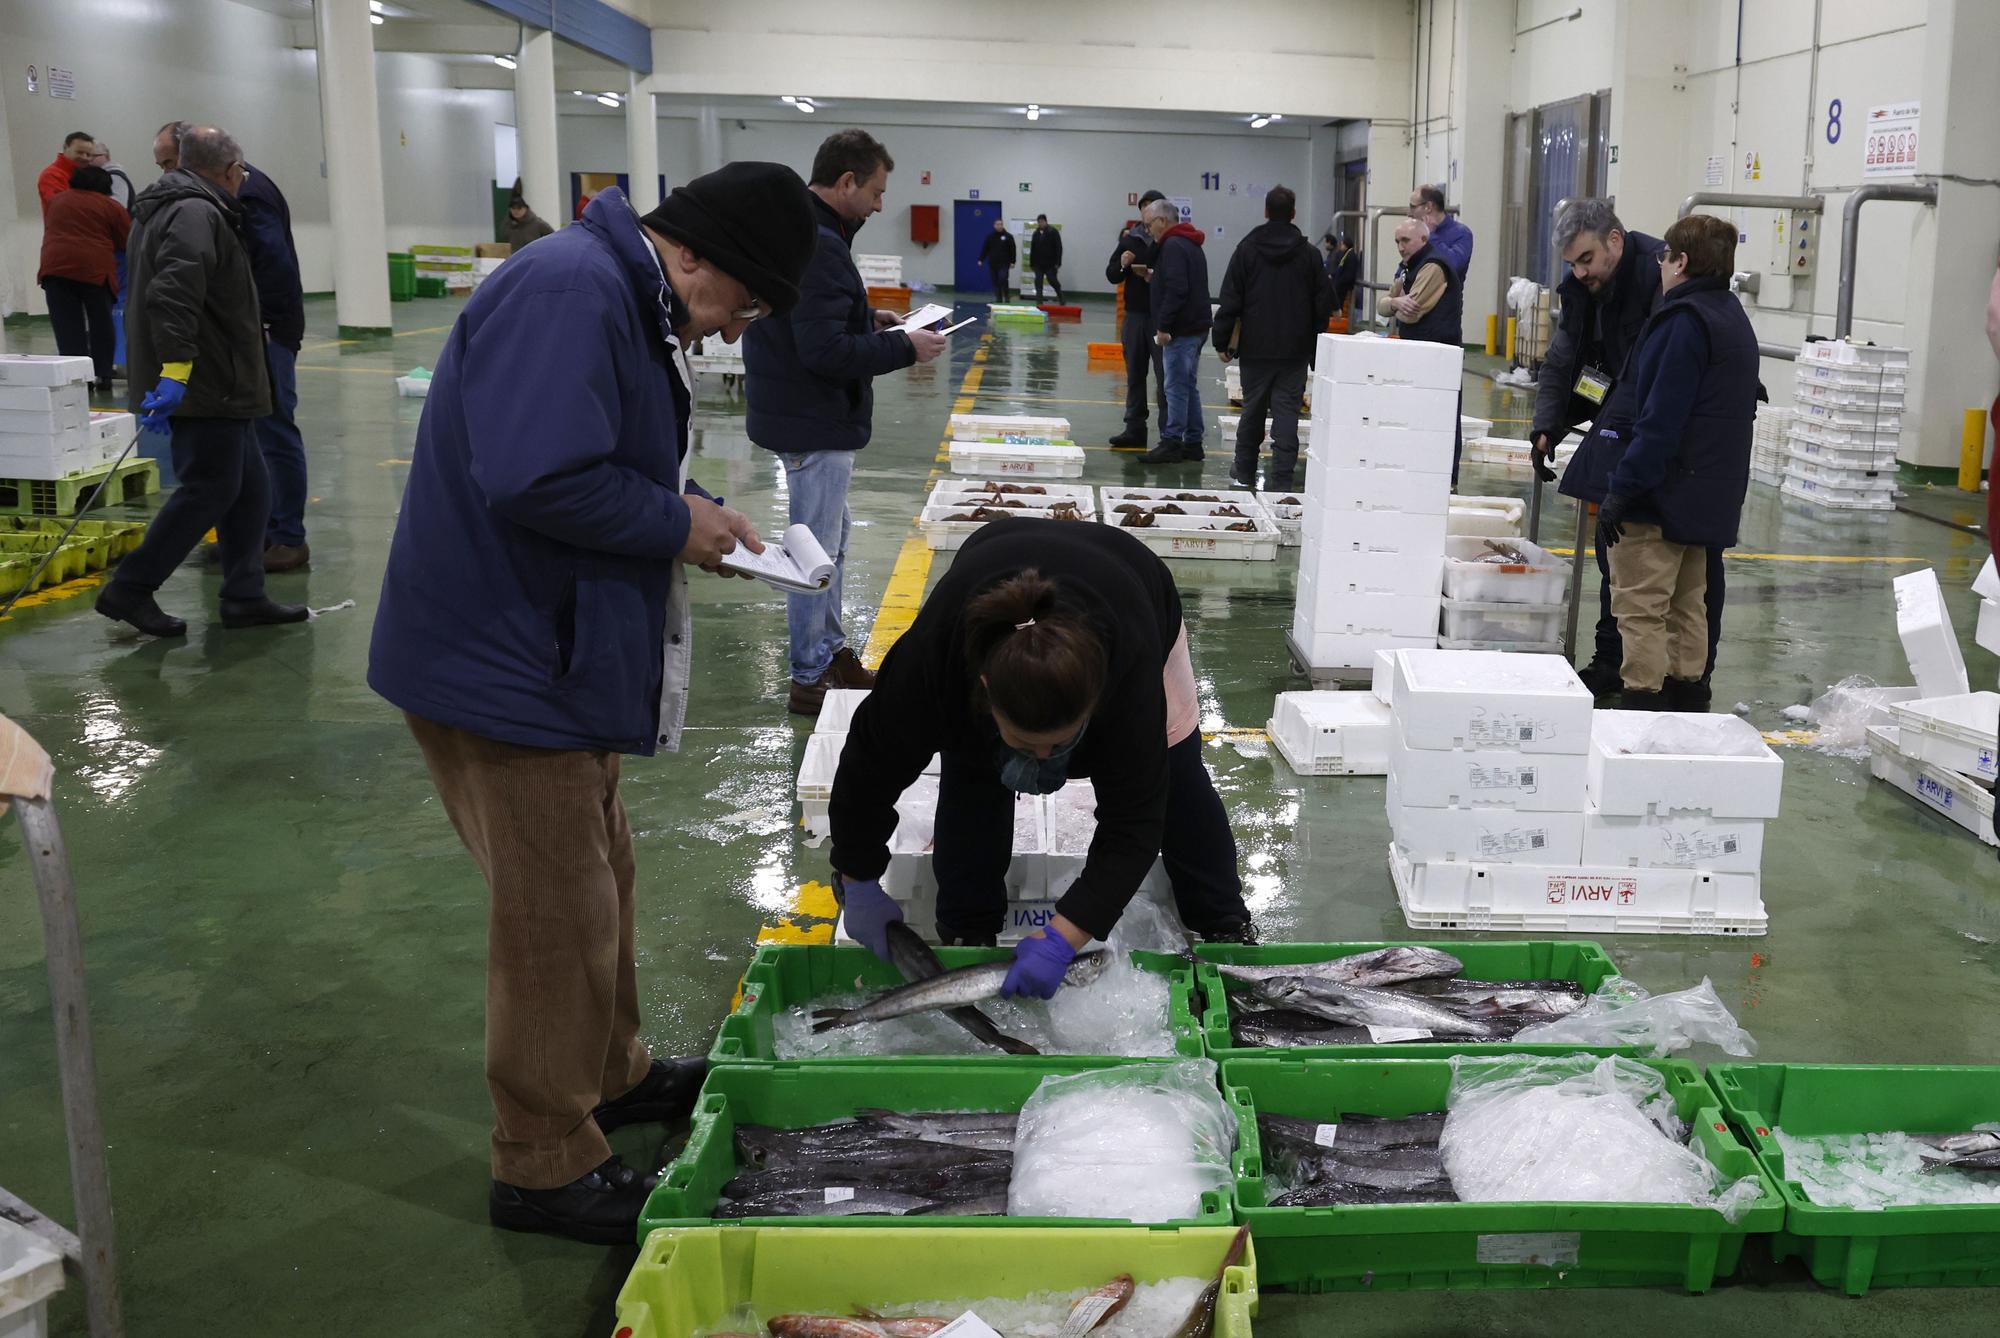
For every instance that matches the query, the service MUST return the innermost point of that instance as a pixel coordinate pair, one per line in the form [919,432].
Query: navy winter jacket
[527,586]
[274,258]
[1180,283]
[807,374]
[1601,332]
[1695,391]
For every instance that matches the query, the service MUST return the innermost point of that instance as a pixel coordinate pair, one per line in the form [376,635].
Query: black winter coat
[997,251]
[1138,292]
[1601,333]
[192,297]
[1045,250]
[1276,296]
[1180,283]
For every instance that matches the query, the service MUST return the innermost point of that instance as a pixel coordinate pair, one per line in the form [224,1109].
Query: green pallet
[1585,963]
[1476,1246]
[689,1280]
[781,976]
[122,535]
[1950,1245]
[137,478]
[796,1096]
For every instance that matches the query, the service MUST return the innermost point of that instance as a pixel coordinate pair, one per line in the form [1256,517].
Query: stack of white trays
[1013,446]
[880,271]
[1768,442]
[1845,424]
[45,420]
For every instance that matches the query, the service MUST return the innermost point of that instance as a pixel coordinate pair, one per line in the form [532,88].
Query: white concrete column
[707,140]
[13,283]
[535,126]
[350,131]
[1478,154]
[1649,117]
[642,144]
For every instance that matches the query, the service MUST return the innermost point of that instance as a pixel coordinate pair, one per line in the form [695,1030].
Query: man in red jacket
[77,147]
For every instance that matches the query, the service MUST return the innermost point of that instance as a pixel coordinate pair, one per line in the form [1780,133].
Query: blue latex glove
[868,912]
[1039,964]
[1611,519]
[160,403]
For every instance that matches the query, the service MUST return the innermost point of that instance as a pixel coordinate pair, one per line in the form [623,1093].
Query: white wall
[1555,57]
[139,63]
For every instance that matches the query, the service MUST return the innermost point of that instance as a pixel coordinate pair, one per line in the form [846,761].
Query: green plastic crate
[1476,1246]
[688,1280]
[1585,963]
[1949,1245]
[781,976]
[797,1096]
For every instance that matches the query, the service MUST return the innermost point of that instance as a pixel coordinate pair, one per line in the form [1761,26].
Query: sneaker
[287,557]
[807,698]
[1602,678]
[1166,453]
[1688,694]
[665,1094]
[599,1208]
[1634,700]
[847,671]
[1128,440]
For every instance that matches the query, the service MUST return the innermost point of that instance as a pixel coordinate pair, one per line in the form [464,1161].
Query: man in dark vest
[1427,299]
[1678,488]
[1131,264]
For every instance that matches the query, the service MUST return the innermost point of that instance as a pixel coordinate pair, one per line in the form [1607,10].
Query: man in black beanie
[534,625]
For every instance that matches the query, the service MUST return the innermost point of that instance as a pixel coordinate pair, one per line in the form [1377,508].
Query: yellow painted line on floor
[1735,556]
[348,343]
[56,593]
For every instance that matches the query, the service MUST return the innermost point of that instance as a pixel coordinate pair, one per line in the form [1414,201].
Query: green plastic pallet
[1585,963]
[1476,1246]
[796,1096]
[1950,1245]
[781,976]
[688,1280]
[137,478]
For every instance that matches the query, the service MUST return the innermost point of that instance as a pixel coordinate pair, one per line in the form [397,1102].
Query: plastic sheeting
[1622,1012]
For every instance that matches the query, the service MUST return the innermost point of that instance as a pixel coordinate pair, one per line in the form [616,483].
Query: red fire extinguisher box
[924,224]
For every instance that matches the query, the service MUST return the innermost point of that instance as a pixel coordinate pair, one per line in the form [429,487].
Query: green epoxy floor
[286,943]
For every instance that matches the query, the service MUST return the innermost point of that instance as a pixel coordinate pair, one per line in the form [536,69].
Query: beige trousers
[1659,595]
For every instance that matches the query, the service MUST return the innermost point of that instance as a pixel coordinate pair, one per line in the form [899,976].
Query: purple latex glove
[1039,964]
[868,912]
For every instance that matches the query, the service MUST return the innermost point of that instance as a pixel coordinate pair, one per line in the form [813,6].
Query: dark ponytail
[1043,665]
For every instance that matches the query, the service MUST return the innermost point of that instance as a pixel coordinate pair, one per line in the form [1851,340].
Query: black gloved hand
[1611,520]
[1540,454]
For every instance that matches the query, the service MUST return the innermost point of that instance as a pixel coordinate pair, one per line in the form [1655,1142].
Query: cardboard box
[493,250]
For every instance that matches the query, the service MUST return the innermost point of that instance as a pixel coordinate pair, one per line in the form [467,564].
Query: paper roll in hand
[799,563]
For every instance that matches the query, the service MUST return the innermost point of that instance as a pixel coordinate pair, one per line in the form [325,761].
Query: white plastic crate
[1372,532]
[1626,783]
[1838,474]
[1206,536]
[1470,428]
[1673,841]
[1836,499]
[1526,898]
[1987,634]
[1110,495]
[954,489]
[1340,407]
[1487,778]
[31,1271]
[1470,574]
[815,784]
[1851,420]
[1848,353]
[1872,438]
[1015,462]
[1341,572]
[837,708]
[944,533]
[1486,699]
[1331,733]
[1000,426]
[1953,732]
[1866,458]
[1475,620]
[1339,610]
[1963,800]
[1509,647]
[1923,624]
[43,369]
[1287,511]
[1484,835]
[1861,401]
[1849,376]
[1354,359]
[1248,510]
[1489,517]
[1337,446]
[1400,490]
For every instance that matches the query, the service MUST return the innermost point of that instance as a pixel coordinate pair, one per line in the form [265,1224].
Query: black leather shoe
[667,1093]
[1241,484]
[1602,678]
[140,611]
[260,612]
[1232,931]
[1688,694]
[1166,453]
[952,938]
[1192,454]
[601,1208]
[1129,441]
[1631,700]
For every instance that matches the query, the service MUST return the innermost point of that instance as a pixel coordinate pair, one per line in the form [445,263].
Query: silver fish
[1383,966]
[986,1130]
[827,1201]
[917,960]
[1359,1006]
[953,989]
[1282,1029]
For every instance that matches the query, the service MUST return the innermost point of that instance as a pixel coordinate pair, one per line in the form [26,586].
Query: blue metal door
[971,222]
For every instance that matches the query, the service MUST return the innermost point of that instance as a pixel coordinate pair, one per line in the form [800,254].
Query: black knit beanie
[752,221]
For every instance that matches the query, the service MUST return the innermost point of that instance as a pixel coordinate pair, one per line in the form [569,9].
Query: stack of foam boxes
[47,429]
[1377,495]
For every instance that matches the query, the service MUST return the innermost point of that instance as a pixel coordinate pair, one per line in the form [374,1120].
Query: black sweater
[923,703]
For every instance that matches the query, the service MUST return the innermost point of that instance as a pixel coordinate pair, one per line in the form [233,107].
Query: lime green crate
[429,287]
[690,1279]
[1477,1246]
[137,478]
[798,1096]
[1585,963]
[1948,1245]
[122,535]
[782,976]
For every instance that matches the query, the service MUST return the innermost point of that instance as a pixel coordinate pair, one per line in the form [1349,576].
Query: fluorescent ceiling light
[375,6]
[375,19]
[805,106]
[1259,122]
[605,100]
[504,62]
[1277,116]
[578,92]
[1034,113]
[787,98]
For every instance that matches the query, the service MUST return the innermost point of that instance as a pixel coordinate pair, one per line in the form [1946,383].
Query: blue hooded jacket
[527,591]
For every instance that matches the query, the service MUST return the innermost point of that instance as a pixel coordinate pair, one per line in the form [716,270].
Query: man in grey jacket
[195,333]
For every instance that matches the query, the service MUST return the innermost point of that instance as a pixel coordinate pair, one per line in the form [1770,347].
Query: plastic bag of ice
[1685,735]
[1575,1129]
[1141,1143]
[1621,1012]
[1840,716]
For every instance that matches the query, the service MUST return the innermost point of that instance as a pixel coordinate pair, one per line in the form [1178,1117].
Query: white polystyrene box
[1331,733]
[1401,490]
[1484,835]
[1357,613]
[1373,573]
[1352,359]
[43,369]
[1673,841]
[1383,681]
[1987,584]
[1340,650]
[56,419]
[1491,699]
[1526,898]
[1426,451]
[1372,532]
[1487,778]
[1343,407]
[1924,626]
[1625,783]
[74,397]
[1987,634]
[25,456]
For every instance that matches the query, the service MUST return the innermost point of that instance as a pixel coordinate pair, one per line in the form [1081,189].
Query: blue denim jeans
[284,450]
[1181,360]
[817,484]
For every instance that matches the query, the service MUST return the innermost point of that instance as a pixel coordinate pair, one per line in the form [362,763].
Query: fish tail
[828,1019]
[1015,1046]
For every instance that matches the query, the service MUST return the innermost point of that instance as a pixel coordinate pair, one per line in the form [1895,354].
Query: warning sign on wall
[1890,148]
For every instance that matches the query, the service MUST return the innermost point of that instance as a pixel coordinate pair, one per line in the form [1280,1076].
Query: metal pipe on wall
[1850,240]
[1805,204]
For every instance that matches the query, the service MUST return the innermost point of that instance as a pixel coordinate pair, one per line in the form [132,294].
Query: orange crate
[1105,351]
[1336,324]
[893,299]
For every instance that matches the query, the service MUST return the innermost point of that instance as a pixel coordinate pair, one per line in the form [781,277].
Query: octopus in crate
[1137,520]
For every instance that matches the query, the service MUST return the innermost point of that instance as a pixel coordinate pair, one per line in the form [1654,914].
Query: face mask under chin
[1024,773]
